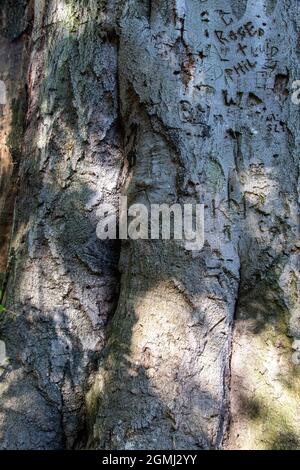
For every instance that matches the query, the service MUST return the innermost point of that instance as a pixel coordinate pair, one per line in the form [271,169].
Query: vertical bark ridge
[63,281]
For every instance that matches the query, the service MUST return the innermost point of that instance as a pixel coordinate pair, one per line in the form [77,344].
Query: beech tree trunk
[146,344]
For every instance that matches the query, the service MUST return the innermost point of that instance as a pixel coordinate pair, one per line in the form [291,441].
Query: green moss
[215,175]
[251,407]
[285,440]
[294,291]
[281,435]
[271,424]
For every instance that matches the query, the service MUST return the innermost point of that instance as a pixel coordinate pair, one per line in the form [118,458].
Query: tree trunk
[148,344]
[62,281]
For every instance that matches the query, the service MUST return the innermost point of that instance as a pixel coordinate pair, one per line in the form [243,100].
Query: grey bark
[163,101]
[62,281]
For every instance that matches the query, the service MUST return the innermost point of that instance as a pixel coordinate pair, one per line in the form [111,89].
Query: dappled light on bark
[145,344]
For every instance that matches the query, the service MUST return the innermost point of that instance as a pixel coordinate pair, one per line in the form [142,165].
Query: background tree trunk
[150,345]
[62,281]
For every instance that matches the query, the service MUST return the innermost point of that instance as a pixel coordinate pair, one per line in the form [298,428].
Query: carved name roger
[247,30]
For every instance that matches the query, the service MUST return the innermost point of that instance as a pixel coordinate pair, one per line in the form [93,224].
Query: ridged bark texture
[149,344]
